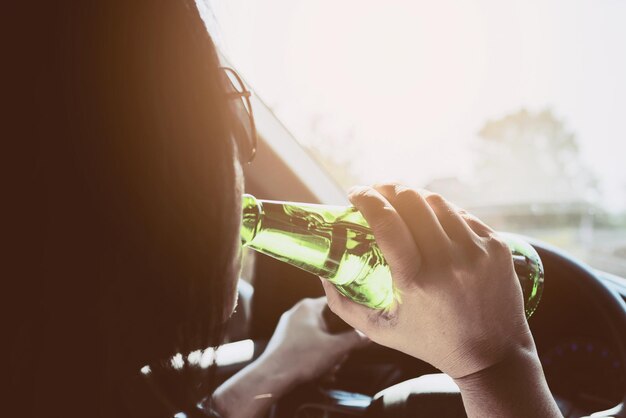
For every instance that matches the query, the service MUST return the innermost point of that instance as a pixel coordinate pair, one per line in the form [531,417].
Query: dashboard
[584,373]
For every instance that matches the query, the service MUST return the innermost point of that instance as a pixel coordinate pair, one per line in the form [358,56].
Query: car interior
[579,326]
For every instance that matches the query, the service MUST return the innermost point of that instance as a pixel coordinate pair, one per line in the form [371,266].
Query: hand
[299,350]
[460,305]
[302,345]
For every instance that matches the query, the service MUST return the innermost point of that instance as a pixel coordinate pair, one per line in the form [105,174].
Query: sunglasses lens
[243,124]
[243,131]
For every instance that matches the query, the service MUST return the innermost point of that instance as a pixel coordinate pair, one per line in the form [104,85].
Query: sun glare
[400,89]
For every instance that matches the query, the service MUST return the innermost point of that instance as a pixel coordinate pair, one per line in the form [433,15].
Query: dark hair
[125,202]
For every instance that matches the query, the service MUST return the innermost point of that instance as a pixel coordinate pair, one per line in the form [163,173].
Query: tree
[531,158]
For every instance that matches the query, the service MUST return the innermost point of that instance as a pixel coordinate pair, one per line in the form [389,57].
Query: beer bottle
[337,244]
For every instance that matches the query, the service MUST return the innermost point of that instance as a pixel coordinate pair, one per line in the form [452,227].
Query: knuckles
[305,306]
[435,200]
[488,251]
[405,196]
[440,206]
[497,245]
[479,248]
[388,189]
[366,197]
[486,248]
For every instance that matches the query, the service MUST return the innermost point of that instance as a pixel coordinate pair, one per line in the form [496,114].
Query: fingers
[368,323]
[481,229]
[317,304]
[307,307]
[425,227]
[455,226]
[351,339]
[434,221]
[363,340]
[348,339]
[391,232]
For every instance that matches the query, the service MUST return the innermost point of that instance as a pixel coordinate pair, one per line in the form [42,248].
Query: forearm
[515,387]
[251,392]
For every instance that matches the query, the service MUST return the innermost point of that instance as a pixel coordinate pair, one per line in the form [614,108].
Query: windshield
[511,109]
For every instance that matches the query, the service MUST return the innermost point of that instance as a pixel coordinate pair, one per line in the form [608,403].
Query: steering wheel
[436,395]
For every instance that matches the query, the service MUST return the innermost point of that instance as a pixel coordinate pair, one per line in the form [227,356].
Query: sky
[401,88]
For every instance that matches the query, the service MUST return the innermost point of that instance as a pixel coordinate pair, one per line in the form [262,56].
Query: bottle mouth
[251,217]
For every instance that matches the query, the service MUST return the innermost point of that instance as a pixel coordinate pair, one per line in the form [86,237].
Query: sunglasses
[243,129]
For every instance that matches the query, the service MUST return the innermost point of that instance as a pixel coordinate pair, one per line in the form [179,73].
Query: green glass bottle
[336,243]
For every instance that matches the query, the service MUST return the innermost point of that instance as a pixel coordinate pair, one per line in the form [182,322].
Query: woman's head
[139,238]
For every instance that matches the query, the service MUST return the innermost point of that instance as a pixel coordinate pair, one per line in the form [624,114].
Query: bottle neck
[251,219]
[299,234]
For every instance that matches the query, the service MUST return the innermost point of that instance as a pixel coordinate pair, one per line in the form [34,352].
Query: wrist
[517,359]
[278,368]
[512,387]
[251,391]
[489,353]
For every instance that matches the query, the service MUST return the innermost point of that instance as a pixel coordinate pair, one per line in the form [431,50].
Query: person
[125,205]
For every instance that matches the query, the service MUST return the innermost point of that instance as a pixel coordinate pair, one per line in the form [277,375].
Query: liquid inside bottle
[336,243]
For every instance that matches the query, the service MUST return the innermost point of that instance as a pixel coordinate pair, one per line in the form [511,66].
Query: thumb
[358,339]
[349,340]
[354,314]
